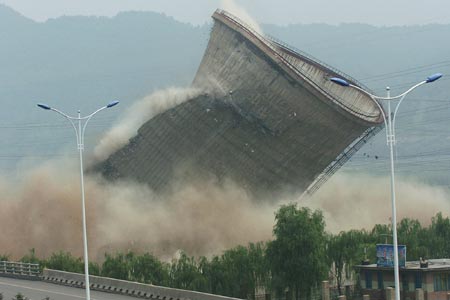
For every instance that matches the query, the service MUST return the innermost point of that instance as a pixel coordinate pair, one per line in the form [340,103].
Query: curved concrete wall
[270,120]
[229,55]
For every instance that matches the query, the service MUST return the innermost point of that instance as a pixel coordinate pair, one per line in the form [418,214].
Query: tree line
[300,255]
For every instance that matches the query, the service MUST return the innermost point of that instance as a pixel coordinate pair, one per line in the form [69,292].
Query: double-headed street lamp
[79,132]
[389,122]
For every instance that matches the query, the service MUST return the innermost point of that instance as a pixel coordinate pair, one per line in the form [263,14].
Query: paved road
[37,290]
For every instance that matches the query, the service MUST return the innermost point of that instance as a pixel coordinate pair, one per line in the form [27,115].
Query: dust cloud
[356,201]
[43,211]
[232,7]
[139,113]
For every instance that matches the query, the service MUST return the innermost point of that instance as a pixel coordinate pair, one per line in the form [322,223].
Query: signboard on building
[385,255]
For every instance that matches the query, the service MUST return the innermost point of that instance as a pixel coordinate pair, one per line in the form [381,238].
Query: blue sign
[385,255]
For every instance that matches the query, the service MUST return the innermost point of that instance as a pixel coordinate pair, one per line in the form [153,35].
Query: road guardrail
[20,270]
[133,289]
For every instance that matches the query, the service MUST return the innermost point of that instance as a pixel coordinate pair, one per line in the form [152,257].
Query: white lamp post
[389,122]
[79,132]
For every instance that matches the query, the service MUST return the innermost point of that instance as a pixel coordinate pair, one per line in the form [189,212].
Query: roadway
[38,290]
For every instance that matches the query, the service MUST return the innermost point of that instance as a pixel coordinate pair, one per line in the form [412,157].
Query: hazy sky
[377,12]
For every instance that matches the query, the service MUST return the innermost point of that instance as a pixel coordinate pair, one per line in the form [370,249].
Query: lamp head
[433,77]
[339,81]
[114,103]
[44,106]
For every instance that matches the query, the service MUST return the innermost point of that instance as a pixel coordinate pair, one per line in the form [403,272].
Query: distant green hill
[89,57]
[83,62]
[12,20]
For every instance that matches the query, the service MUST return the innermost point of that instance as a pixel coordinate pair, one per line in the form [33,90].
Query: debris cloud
[232,7]
[139,113]
[355,201]
[43,211]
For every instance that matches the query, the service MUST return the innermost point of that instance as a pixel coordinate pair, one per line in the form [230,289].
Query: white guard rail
[134,289]
[20,270]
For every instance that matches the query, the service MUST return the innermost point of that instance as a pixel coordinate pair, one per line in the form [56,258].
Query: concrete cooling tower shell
[269,120]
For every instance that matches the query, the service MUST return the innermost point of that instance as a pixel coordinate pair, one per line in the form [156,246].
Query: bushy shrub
[4,257]
[19,296]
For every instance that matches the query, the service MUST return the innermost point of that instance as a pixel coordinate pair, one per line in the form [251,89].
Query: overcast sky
[376,12]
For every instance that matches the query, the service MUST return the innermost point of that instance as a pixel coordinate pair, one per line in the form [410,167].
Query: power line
[406,71]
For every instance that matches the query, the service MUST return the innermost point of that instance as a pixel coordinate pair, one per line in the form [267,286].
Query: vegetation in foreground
[20,296]
[299,257]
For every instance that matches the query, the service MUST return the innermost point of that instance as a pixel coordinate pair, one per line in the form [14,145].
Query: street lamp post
[79,132]
[389,122]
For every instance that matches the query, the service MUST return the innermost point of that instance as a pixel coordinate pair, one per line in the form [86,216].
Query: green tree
[297,255]
[117,266]
[148,269]
[345,250]
[439,237]
[4,257]
[204,266]
[215,274]
[94,268]
[129,266]
[64,261]
[411,234]
[31,257]
[185,273]
[260,267]
[238,272]
[381,232]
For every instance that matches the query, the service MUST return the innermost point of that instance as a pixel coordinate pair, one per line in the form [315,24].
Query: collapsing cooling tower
[269,120]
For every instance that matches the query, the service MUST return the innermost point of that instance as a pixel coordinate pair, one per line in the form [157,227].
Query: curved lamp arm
[429,79]
[87,118]
[374,98]
[69,118]
[401,100]
[79,135]
[345,83]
